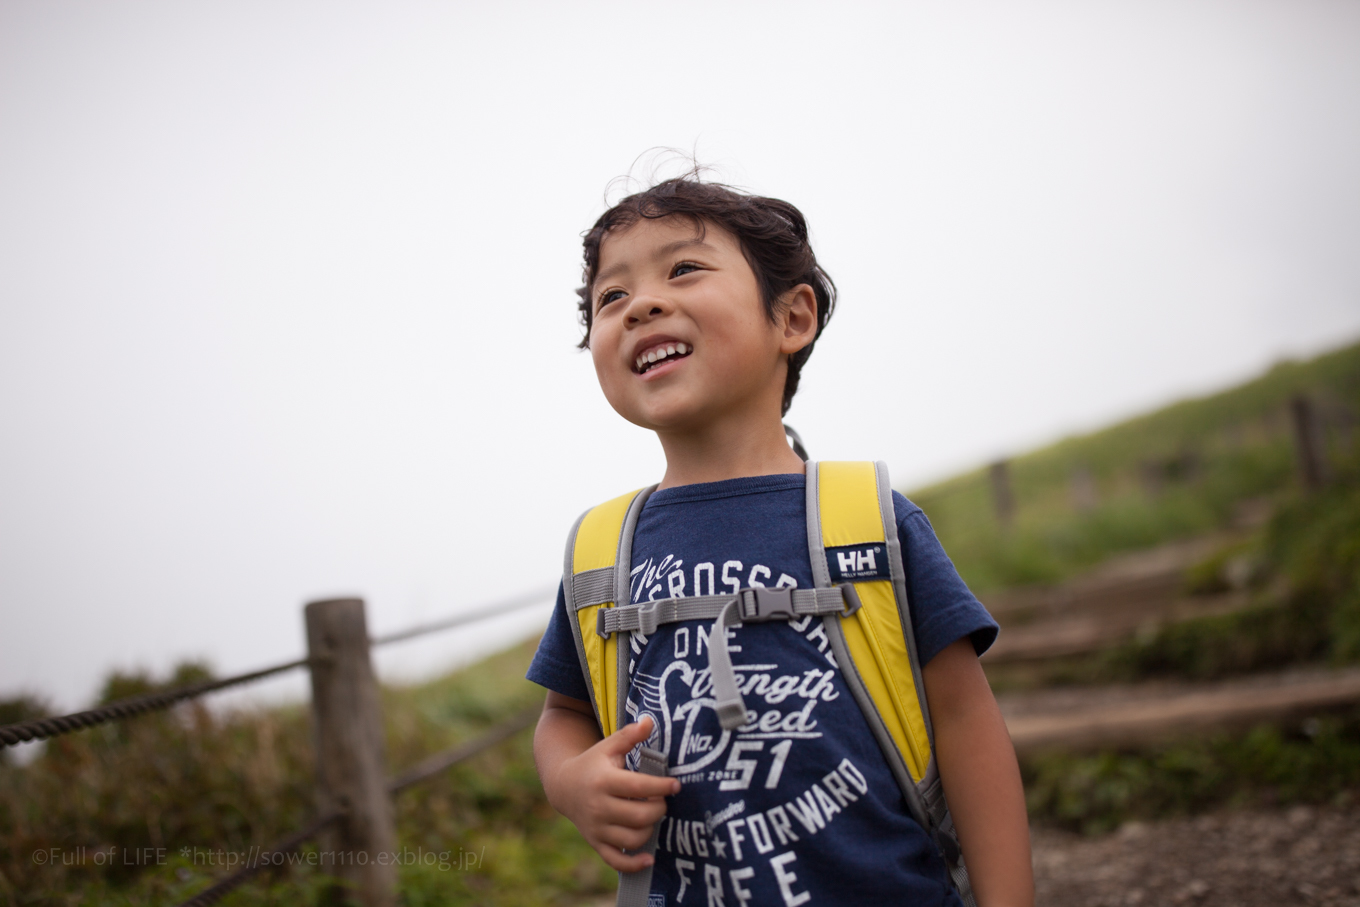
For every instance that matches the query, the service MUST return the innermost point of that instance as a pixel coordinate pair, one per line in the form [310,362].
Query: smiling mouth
[659,354]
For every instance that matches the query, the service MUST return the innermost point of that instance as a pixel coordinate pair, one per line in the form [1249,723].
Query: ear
[798,318]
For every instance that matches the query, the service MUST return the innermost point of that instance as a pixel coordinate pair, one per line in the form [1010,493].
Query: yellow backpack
[851,530]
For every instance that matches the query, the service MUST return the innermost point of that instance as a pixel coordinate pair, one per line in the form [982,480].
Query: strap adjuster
[648,618]
[852,602]
[759,604]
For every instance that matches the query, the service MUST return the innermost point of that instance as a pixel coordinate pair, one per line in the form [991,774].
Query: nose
[645,307]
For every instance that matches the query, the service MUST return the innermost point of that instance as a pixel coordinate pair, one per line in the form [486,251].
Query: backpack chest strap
[754,605]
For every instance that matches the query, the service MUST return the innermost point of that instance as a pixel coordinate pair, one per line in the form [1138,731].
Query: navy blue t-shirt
[798,806]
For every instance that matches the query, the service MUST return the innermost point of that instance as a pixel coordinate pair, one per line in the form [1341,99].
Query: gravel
[1301,855]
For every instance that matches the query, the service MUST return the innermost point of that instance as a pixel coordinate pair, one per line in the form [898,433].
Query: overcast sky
[286,300]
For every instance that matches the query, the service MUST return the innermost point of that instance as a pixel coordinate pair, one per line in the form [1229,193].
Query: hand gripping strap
[635,886]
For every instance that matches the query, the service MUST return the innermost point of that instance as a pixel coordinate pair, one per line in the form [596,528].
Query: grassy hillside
[1224,461]
[1306,609]
[1190,468]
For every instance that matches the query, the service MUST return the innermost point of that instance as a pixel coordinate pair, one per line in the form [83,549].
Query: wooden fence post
[1082,490]
[1309,442]
[1002,497]
[350,768]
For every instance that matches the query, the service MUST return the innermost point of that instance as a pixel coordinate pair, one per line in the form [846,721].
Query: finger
[628,736]
[625,838]
[632,813]
[621,861]
[639,786]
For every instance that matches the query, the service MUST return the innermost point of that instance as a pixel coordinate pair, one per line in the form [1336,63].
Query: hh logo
[856,562]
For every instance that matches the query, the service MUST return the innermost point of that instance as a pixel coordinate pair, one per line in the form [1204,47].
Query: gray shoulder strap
[569,597]
[587,589]
[821,575]
[623,562]
[634,887]
[930,792]
[899,579]
[849,672]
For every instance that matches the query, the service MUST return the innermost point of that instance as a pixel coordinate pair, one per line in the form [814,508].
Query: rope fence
[44,728]
[261,861]
[12,734]
[496,610]
[433,765]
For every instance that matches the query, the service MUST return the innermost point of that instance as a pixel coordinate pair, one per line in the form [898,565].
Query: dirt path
[1093,717]
[1225,859]
[1131,594]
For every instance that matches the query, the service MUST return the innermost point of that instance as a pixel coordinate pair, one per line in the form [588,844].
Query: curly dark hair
[773,236]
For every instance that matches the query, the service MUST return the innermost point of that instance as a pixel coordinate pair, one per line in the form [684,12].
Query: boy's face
[680,337]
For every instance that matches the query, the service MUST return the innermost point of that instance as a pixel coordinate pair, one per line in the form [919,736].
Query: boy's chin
[663,425]
[674,419]
[681,412]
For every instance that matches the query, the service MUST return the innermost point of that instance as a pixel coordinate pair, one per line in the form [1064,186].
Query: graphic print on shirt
[773,799]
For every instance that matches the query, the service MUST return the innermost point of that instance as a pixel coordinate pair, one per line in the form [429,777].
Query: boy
[701,305]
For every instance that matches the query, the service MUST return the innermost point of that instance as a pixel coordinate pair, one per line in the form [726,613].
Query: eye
[683,268]
[609,296]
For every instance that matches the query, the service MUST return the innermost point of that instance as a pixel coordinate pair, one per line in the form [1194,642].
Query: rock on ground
[1226,859]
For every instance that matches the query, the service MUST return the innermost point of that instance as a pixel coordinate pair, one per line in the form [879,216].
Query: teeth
[656,355]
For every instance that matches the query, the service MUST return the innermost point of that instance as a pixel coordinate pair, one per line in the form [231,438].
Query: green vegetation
[1307,609]
[1185,470]
[1307,606]
[222,783]
[1318,762]
[1302,572]
[1197,467]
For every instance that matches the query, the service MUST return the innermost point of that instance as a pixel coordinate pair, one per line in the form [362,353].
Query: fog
[286,289]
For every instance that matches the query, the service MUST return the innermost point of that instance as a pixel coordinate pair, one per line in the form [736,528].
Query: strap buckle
[852,602]
[648,617]
[759,604]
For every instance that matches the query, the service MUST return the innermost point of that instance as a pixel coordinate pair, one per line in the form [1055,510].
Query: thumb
[629,736]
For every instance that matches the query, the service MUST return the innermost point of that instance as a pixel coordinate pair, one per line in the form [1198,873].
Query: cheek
[603,356]
[596,355]
[751,340]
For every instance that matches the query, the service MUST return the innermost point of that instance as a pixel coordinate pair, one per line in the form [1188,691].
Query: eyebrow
[664,252]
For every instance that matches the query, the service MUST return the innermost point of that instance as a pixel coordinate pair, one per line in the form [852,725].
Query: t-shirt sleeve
[943,609]
[555,664]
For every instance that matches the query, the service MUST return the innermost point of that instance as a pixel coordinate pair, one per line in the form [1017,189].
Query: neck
[731,447]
